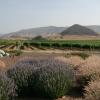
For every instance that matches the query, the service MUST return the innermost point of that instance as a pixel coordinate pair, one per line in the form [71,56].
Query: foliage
[80,54]
[42,75]
[38,38]
[61,44]
[21,73]
[70,44]
[7,87]
[16,52]
[54,79]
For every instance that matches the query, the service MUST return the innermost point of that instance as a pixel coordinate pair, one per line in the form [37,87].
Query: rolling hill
[53,30]
[43,31]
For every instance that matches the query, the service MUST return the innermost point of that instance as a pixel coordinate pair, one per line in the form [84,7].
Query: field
[50,70]
[50,44]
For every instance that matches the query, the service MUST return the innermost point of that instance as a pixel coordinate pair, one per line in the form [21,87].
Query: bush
[16,52]
[43,76]
[7,88]
[54,80]
[21,73]
[93,91]
[89,70]
[91,66]
[39,37]
[76,61]
[82,81]
[80,54]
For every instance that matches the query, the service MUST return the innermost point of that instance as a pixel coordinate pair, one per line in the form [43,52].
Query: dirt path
[61,51]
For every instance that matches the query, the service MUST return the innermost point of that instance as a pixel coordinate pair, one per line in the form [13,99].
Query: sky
[23,14]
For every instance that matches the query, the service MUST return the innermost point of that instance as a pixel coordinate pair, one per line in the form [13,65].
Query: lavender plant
[21,73]
[44,76]
[55,80]
[7,88]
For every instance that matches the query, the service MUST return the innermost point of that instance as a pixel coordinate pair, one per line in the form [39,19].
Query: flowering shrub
[55,79]
[43,76]
[7,88]
[21,73]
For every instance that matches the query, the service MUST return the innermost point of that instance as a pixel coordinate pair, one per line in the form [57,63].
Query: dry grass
[2,64]
[9,61]
[90,66]
[73,60]
[93,91]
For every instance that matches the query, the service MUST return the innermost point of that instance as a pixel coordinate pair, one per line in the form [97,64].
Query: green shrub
[17,52]
[81,54]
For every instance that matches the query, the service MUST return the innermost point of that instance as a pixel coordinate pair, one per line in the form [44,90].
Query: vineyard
[10,45]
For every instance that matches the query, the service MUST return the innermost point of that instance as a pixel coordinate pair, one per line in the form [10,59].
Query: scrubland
[73,76]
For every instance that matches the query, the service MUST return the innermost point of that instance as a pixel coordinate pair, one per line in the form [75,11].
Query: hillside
[53,31]
[43,31]
[96,28]
[78,30]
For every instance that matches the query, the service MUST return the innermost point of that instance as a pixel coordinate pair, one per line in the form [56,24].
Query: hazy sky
[22,14]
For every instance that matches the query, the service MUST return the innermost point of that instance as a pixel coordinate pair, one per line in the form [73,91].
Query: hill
[78,30]
[53,31]
[32,32]
[96,28]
